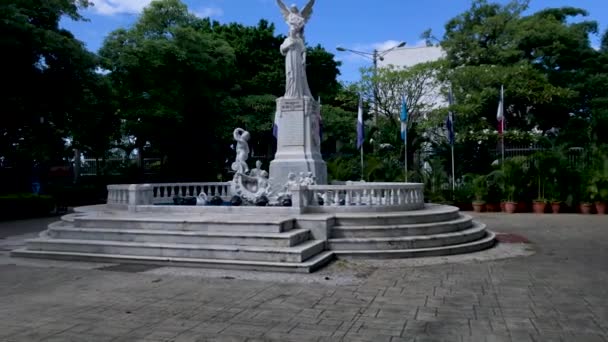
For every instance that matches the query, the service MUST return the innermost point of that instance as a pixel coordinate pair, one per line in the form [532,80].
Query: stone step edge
[309,265]
[488,241]
[263,235]
[298,249]
[462,219]
[183,219]
[476,228]
[432,209]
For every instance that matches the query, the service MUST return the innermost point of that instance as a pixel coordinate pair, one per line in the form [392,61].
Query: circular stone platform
[268,238]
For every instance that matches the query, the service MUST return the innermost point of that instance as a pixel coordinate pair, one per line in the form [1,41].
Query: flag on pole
[449,123]
[275,125]
[320,122]
[500,116]
[360,126]
[403,119]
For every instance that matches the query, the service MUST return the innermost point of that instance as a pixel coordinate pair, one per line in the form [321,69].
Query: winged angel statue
[294,50]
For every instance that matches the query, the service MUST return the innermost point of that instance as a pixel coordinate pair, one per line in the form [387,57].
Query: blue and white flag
[320,121]
[275,126]
[403,119]
[360,126]
[449,123]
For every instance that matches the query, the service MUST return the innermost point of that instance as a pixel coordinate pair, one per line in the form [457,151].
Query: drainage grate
[128,268]
[511,238]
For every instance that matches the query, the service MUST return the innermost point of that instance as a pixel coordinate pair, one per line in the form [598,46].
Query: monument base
[280,169]
[298,141]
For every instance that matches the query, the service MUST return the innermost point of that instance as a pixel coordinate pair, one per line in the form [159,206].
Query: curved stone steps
[477,231]
[297,253]
[285,239]
[210,223]
[307,266]
[461,223]
[430,214]
[484,243]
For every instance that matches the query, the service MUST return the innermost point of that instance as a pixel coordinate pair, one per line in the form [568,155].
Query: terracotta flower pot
[586,208]
[510,207]
[479,207]
[539,207]
[600,207]
[522,207]
[493,207]
[555,207]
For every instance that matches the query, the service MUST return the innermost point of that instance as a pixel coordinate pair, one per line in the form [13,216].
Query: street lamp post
[375,56]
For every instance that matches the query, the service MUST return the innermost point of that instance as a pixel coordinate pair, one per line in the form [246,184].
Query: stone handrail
[164,192]
[355,197]
[359,197]
[129,195]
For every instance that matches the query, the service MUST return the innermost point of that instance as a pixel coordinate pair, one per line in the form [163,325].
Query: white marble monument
[298,114]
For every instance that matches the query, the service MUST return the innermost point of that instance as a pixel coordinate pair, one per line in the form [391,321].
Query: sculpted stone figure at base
[242,150]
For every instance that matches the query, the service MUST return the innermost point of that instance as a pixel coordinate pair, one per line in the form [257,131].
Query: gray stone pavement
[553,289]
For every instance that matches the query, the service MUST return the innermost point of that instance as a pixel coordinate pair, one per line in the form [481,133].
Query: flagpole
[362,163]
[453,173]
[502,124]
[405,143]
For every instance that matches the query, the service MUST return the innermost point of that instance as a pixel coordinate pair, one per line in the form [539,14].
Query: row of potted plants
[550,178]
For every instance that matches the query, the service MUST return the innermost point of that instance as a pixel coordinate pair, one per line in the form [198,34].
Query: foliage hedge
[25,205]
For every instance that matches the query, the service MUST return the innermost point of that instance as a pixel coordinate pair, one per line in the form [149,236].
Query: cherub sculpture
[242,151]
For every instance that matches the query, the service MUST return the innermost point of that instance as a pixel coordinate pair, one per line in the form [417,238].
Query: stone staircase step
[286,239]
[209,223]
[431,213]
[486,242]
[297,253]
[463,222]
[307,266]
[477,231]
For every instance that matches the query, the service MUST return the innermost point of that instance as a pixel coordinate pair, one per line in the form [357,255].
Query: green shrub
[25,205]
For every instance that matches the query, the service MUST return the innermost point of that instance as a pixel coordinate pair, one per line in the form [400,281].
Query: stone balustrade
[164,192]
[360,197]
[123,196]
[355,197]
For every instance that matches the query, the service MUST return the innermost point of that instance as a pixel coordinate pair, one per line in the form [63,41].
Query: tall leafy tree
[172,79]
[52,80]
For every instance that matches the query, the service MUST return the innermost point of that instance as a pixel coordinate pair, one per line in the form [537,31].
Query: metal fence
[577,156]
[114,166]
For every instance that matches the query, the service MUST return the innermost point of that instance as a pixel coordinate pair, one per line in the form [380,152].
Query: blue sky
[356,24]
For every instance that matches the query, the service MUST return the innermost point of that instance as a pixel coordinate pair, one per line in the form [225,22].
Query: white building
[408,56]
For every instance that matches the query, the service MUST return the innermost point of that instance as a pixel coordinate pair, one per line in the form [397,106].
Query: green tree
[52,78]
[172,79]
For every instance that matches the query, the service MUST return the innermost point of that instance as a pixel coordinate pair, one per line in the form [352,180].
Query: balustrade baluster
[347,198]
[336,198]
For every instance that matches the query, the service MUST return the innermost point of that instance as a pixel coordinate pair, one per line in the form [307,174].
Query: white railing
[360,197]
[164,192]
[129,195]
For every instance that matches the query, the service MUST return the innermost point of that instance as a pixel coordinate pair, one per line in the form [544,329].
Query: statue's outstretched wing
[283,8]
[307,10]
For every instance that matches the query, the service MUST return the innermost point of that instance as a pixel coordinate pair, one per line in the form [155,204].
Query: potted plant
[552,191]
[598,181]
[480,191]
[540,203]
[513,171]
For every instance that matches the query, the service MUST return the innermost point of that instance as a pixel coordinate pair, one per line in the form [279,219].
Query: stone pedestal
[298,141]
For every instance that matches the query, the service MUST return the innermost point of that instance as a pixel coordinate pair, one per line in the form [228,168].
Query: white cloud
[112,7]
[209,12]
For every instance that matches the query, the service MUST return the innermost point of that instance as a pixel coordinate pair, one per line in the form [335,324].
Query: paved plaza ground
[553,288]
